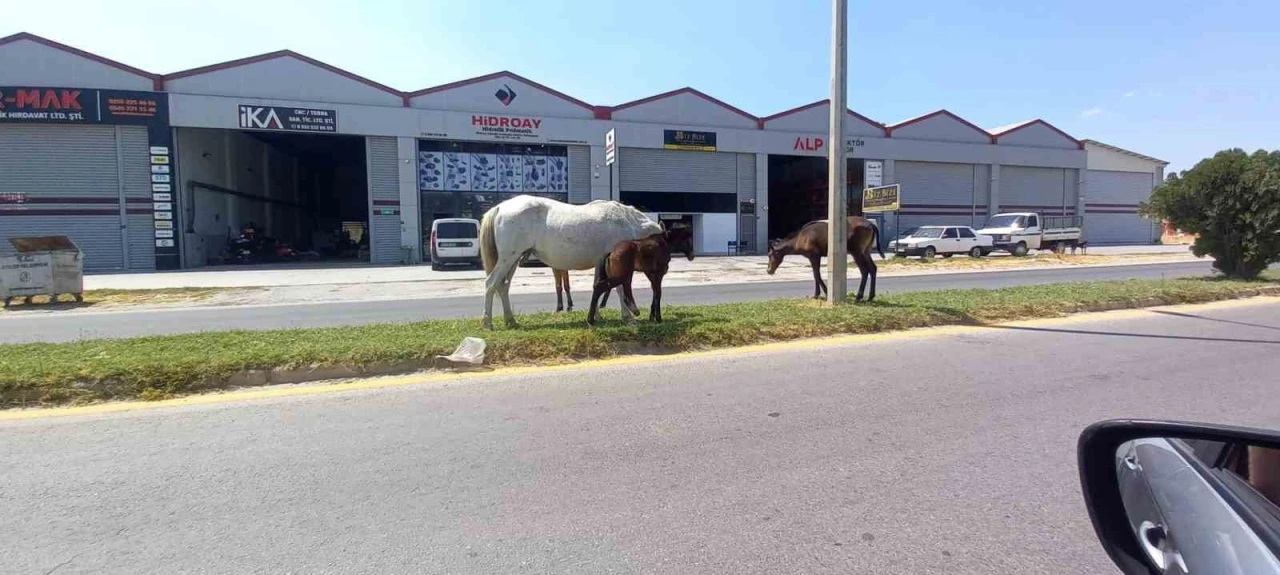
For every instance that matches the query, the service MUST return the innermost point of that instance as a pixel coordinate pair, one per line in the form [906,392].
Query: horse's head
[680,240]
[776,253]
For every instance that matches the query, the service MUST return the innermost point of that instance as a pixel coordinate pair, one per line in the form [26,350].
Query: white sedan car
[946,241]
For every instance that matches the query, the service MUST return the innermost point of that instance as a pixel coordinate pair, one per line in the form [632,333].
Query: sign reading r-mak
[81,106]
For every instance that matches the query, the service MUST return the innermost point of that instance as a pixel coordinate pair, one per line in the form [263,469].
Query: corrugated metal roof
[1124,151]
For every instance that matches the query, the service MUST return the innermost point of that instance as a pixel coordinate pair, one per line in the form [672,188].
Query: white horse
[564,236]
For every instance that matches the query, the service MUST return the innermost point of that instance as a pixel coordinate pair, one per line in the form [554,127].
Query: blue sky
[1173,79]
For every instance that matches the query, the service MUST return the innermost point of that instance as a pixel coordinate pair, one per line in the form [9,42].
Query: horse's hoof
[488,324]
[559,310]
[512,324]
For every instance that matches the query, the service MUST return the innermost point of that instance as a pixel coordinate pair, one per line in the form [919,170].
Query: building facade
[149,171]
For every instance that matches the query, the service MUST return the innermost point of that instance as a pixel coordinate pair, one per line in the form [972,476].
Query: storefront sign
[817,143]
[610,148]
[809,144]
[874,173]
[288,119]
[81,106]
[507,127]
[85,106]
[687,140]
[881,199]
[13,198]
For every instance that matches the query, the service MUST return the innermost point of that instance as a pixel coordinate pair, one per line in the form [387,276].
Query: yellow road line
[429,378]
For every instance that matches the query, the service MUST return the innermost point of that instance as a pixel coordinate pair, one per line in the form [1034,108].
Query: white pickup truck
[1019,232]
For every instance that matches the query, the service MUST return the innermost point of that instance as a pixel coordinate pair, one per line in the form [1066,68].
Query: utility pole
[837,258]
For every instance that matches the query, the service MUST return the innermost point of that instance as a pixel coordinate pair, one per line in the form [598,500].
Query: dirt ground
[286,286]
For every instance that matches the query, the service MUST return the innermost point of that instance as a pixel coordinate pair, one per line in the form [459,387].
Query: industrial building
[149,171]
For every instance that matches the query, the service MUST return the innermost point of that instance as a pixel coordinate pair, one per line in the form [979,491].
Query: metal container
[48,265]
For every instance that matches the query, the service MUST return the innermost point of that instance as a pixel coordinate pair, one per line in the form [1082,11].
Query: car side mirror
[1175,497]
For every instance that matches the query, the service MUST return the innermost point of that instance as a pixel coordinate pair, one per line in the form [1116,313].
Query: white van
[454,241]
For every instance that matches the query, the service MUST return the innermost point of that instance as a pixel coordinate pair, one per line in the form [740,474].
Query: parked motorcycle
[251,248]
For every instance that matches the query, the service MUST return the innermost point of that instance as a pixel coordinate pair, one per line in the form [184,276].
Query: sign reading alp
[817,143]
[285,119]
[881,199]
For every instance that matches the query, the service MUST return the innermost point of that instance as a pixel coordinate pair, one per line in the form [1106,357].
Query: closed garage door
[384,186]
[71,180]
[676,171]
[1043,190]
[936,194]
[579,174]
[1111,210]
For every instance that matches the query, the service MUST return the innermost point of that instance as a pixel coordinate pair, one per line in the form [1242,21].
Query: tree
[1231,202]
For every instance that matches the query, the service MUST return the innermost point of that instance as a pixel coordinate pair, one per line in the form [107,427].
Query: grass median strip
[165,366]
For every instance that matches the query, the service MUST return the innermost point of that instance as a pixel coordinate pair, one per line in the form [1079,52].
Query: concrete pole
[837,260]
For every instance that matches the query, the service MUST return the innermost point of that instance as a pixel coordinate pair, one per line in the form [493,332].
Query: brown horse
[562,287]
[650,255]
[811,242]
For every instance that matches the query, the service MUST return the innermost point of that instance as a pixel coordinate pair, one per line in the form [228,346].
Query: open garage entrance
[264,197]
[798,191]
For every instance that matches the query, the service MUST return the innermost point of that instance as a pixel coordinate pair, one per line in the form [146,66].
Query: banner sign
[881,199]
[610,147]
[874,173]
[687,140]
[288,119]
[518,128]
[82,106]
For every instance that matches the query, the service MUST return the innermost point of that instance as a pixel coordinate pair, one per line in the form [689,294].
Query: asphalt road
[55,326]
[917,454]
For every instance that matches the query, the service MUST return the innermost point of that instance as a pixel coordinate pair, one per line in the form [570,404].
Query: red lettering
[28,98]
[71,99]
[506,122]
[51,100]
[808,144]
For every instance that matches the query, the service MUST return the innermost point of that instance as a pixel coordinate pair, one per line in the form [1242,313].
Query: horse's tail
[488,243]
[875,237]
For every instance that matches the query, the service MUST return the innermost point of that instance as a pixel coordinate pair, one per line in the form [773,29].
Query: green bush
[1231,202]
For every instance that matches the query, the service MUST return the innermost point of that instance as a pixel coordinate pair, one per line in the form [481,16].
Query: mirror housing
[1096,452]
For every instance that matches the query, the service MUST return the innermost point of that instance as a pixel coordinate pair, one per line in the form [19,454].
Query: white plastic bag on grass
[470,351]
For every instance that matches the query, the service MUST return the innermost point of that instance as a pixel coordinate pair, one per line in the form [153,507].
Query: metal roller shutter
[745,177]
[70,177]
[935,194]
[579,174]
[134,147]
[1026,189]
[384,189]
[1111,210]
[747,192]
[652,170]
